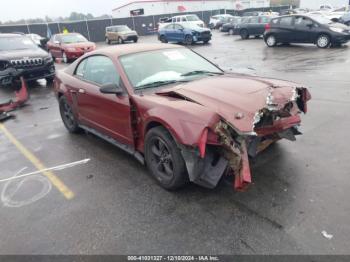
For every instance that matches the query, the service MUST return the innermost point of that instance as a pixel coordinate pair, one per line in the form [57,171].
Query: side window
[101,70]
[303,22]
[81,69]
[274,21]
[286,21]
[254,20]
[183,19]
[173,20]
[177,27]
[178,19]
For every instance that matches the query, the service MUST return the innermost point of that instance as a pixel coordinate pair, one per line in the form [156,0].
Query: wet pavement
[300,189]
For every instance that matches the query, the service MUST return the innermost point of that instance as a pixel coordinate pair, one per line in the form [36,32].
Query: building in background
[315,4]
[159,7]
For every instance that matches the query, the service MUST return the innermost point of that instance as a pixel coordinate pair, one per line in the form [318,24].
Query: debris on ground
[20,99]
[326,235]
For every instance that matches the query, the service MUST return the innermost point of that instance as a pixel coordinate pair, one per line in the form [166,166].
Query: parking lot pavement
[300,189]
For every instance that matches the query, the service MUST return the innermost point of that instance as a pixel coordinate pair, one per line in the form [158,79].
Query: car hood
[230,96]
[199,29]
[339,25]
[20,54]
[128,33]
[80,45]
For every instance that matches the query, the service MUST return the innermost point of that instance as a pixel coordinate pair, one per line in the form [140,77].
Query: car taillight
[267,27]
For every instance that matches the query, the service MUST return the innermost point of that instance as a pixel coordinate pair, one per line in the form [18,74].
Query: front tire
[65,58]
[67,116]
[244,34]
[163,39]
[49,81]
[231,31]
[120,40]
[271,41]
[323,41]
[164,159]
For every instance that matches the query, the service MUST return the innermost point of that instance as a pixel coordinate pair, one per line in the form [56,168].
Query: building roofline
[157,1]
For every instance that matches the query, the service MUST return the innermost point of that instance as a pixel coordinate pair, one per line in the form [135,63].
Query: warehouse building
[315,4]
[159,7]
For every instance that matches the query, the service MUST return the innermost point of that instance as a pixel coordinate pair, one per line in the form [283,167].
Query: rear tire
[271,41]
[164,159]
[244,34]
[108,42]
[135,40]
[68,116]
[188,40]
[120,40]
[323,41]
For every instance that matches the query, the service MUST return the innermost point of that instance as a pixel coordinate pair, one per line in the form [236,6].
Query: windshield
[192,18]
[73,38]
[123,28]
[165,66]
[16,43]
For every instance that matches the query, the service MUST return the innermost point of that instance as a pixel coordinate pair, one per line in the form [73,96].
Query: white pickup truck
[190,20]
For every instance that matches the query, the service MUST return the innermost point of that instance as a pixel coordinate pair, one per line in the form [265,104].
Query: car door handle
[81,91]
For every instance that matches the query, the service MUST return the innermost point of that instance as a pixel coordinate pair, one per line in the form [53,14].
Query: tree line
[74,16]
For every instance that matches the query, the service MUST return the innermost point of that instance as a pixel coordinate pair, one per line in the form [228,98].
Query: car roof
[115,26]
[117,51]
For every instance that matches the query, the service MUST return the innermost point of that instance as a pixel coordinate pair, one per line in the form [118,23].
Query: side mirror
[111,89]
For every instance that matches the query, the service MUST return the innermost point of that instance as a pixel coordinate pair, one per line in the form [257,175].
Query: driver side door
[109,114]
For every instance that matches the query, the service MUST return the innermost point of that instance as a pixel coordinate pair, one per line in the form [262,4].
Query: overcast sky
[18,9]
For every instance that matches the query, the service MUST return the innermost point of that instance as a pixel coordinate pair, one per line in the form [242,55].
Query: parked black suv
[20,56]
[314,29]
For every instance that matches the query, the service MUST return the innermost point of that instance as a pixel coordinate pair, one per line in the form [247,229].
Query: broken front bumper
[10,74]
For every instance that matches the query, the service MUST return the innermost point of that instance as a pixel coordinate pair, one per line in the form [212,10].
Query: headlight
[337,29]
[71,49]
[48,59]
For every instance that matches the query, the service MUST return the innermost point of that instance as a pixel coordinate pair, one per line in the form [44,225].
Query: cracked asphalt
[300,189]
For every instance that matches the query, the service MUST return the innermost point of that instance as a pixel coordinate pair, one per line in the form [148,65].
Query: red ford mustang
[177,112]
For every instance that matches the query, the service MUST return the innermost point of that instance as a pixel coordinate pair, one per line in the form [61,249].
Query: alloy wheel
[64,58]
[68,116]
[162,159]
[323,41]
[271,41]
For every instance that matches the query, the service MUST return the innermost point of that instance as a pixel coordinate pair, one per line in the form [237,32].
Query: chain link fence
[94,30]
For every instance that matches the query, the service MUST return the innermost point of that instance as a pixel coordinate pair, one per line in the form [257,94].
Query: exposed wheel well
[151,125]
[330,37]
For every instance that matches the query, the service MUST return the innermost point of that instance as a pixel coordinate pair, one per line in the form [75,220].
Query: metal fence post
[87,28]
[133,22]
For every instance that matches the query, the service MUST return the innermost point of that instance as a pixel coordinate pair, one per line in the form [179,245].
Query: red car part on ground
[21,97]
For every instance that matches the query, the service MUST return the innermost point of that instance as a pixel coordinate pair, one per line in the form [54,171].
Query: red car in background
[69,46]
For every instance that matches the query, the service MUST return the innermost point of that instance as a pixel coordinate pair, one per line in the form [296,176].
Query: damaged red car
[177,112]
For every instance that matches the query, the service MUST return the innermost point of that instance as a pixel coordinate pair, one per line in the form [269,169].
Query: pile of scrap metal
[20,99]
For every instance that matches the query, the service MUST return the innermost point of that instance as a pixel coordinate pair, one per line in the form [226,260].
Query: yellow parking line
[37,163]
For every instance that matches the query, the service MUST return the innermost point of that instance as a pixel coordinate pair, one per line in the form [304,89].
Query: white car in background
[218,20]
[185,20]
